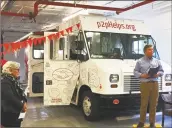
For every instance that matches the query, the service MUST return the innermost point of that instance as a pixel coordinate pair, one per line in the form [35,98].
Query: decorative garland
[14,46]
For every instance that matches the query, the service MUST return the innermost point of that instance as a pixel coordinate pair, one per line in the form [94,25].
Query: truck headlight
[168,77]
[114,78]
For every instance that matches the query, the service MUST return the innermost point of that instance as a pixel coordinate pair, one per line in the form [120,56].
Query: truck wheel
[90,106]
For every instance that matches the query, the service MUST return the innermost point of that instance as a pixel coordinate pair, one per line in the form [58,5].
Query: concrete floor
[70,116]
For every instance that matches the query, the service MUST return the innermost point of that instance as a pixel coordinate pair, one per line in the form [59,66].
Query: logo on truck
[62,74]
[110,24]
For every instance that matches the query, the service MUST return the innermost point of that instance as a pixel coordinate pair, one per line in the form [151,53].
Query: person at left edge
[13,98]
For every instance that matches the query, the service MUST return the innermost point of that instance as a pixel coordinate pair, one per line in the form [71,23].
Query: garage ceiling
[51,16]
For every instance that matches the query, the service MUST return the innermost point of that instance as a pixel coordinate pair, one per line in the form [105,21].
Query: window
[104,45]
[61,50]
[151,41]
[38,51]
[61,44]
[57,49]
[73,47]
[38,82]
[66,47]
[51,49]
[138,45]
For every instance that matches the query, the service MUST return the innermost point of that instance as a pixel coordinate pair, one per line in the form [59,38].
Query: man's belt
[152,82]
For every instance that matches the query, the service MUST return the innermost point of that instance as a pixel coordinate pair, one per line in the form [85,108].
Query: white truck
[93,66]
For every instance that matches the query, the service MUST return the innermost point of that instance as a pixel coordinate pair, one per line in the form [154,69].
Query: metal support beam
[12,30]
[14,14]
[37,3]
[2,49]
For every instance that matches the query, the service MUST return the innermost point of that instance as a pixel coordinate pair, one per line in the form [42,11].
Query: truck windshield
[103,45]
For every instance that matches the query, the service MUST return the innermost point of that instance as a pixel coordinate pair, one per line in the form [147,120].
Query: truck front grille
[131,83]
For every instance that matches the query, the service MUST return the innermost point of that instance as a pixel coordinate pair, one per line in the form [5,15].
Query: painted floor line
[135,116]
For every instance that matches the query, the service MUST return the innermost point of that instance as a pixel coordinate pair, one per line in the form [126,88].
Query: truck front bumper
[128,101]
[125,101]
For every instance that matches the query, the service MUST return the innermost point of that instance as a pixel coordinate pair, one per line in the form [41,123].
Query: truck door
[35,68]
[60,73]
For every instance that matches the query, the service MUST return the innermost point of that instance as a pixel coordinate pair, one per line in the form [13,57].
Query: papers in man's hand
[22,115]
[153,71]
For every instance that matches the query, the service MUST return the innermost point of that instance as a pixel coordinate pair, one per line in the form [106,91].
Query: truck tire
[90,106]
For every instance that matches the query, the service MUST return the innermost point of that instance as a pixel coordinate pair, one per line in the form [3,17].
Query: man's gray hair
[10,65]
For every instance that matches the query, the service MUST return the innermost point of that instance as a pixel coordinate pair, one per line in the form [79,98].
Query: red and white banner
[14,46]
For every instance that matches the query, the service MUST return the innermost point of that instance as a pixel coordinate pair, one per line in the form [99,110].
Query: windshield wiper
[121,58]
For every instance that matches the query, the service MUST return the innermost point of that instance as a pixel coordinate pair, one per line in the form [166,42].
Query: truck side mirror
[80,45]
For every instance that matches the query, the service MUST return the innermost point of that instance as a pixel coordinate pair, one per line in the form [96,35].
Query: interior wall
[160,28]
[19,59]
[11,36]
[159,24]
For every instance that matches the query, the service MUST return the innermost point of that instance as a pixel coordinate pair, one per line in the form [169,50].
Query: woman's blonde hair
[10,65]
